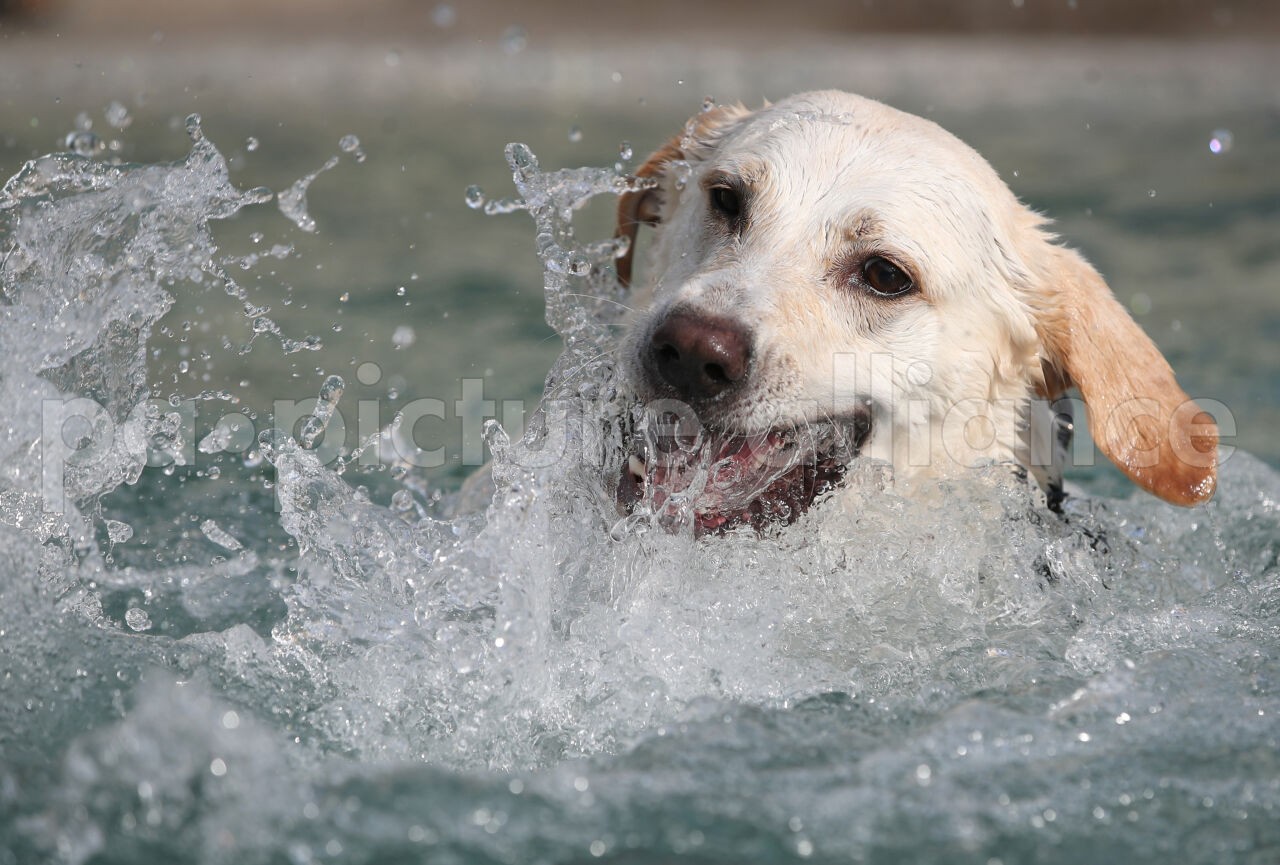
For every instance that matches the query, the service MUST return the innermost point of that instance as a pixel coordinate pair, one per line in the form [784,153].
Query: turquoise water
[249,657]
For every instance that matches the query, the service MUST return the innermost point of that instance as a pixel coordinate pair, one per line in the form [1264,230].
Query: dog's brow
[722,178]
[862,224]
[742,175]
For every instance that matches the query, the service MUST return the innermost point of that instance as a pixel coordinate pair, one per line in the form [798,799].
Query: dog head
[830,277]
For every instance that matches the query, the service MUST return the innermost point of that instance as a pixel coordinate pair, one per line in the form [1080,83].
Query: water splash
[293,201]
[894,676]
[326,402]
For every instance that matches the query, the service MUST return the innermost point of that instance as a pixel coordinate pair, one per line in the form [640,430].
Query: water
[235,643]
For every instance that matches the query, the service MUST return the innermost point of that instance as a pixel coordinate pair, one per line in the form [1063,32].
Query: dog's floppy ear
[645,206]
[1138,415]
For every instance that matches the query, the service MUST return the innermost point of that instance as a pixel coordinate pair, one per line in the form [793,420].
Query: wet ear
[1138,415]
[645,206]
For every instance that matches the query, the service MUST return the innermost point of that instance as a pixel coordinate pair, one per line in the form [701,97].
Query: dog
[832,278]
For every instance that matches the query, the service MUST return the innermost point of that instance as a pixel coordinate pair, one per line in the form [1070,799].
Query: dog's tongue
[720,481]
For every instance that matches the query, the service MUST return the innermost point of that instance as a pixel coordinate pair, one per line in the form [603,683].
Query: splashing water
[293,201]
[952,676]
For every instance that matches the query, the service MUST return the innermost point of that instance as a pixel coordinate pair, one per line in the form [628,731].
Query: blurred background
[1148,129]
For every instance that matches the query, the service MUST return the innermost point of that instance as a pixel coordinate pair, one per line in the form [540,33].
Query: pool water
[258,651]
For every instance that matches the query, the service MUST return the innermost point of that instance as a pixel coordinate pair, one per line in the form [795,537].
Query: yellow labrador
[831,277]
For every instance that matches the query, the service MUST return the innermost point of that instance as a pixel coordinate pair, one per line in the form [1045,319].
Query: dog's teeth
[637,467]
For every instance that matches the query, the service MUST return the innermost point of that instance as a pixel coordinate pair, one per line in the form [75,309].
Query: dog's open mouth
[683,472]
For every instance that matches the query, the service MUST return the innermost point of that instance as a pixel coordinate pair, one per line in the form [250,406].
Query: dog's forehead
[819,142]
[851,130]
[827,161]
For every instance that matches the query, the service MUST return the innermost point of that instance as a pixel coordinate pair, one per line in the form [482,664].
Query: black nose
[700,356]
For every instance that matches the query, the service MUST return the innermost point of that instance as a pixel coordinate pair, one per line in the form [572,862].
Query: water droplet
[625,152]
[475,197]
[1151,193]
[683,171]
[84,143]
[403,336]
[118,532]
[444,15]
[519,156]
[392,58]
[137,619]
[400,292]
[251,144]
[351,144]
[117,115]
[218,535]
[193,127]
[326,402]
[402,500]
[575,134]
[344,297]
[514,39]
[708,103]
[1221,142]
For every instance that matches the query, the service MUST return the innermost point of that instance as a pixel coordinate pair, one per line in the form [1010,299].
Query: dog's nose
[700,356]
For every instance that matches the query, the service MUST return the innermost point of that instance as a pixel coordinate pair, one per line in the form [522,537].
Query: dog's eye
[885,278]
[727,202]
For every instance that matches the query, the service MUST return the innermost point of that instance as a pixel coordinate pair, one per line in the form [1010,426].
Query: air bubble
[475,197]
